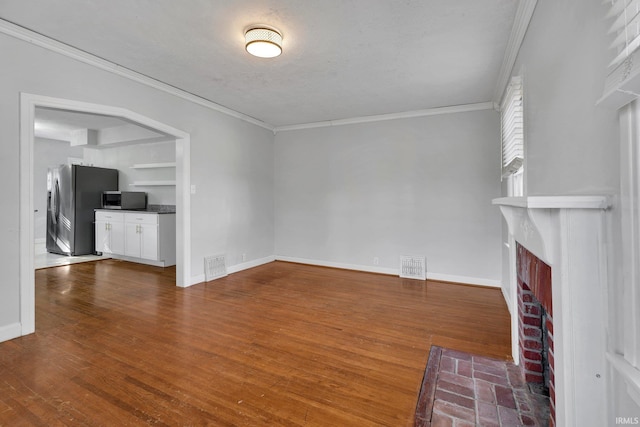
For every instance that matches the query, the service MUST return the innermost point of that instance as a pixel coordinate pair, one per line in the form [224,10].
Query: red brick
[532,332]
[484,391]
[550,341]
[549,324]
[462,423]
[489,362]
[464,368]
[532,355]
[532,320]
[527,421]
[504,397]
[455,379]
[527,297]
[447,364]
[502,380]
[489,369]
[532,345]
[533,309]
[532,377]
[439,420]
[508,416]
[487,414]
[454,411]
[532,366]
[456,399]
[455,388]
[551,358]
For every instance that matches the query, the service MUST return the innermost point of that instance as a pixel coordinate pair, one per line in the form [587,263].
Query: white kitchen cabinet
[109,227]
[141,235]
[145,237]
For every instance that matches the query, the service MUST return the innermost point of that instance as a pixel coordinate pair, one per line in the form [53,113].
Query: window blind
[512,124]
[625,28]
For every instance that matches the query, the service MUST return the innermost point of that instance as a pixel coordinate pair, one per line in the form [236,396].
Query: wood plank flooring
[283,344]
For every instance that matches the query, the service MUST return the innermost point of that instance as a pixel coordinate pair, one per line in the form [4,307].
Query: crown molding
[393,116]
[524,13]
[34,38]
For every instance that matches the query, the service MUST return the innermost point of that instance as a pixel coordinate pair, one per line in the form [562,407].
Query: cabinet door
[149,241]
[132,239]
[116,232]
[102,237]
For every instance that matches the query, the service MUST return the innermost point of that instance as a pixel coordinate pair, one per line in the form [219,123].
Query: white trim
[36,39]
[10,332]
[343,266]
[465,280]
[250,264]
[630,374]
[556,202]
[393,116]
[524,13]
[28,104]
[200,278]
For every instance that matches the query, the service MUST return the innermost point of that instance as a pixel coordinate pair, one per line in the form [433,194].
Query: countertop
[156,209]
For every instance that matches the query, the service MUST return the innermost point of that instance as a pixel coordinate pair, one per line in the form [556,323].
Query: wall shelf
[154,165]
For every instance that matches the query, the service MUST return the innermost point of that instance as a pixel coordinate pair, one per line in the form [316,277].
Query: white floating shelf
[152,183]
[154,165]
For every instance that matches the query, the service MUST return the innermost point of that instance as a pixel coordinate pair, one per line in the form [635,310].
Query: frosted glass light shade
[263,42]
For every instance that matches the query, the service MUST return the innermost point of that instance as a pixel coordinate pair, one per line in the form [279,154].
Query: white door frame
[28,104]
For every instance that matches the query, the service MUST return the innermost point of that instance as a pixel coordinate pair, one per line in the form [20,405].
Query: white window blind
[625,28]
[512,128]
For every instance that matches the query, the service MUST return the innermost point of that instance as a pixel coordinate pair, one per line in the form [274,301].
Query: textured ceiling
[342,58]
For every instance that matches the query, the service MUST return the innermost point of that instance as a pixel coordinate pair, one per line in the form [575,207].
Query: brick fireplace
[557,262]
[535,332]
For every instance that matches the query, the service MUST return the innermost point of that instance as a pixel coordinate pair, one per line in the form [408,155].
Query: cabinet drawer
[141,218]
[109,216]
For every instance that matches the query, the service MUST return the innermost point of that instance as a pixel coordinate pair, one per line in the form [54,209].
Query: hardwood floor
[284,344]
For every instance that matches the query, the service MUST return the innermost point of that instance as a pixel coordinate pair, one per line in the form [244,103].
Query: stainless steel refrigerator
[73,192]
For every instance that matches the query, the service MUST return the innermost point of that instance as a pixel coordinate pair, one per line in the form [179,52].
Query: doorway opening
[29,104]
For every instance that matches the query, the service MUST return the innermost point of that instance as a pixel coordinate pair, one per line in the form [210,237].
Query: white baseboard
[250,264]
[10,332]
[393,271]
[200,278]
[365,268]
[464,280]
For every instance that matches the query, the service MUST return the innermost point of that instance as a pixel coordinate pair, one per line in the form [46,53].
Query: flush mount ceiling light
[263,42]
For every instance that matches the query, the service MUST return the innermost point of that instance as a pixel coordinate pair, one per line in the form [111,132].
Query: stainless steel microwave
[129,200]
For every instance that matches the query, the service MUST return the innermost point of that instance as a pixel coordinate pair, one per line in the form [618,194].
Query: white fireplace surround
[569,234]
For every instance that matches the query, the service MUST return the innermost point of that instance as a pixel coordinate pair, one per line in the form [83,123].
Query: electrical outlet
[376,260]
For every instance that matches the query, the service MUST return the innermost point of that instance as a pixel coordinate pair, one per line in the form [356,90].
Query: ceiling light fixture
[263,42]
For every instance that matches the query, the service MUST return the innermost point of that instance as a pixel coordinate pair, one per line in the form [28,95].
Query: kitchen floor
[44,259]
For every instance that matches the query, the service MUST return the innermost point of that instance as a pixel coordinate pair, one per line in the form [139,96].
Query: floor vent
[214,267]
[413,267]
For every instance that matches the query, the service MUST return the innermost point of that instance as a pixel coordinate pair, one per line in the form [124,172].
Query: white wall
[415,186]
[123,157]
[231,160]
[47,153]
[572,146]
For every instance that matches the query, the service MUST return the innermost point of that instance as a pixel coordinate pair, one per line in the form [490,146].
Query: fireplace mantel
[569,234]
[529,219]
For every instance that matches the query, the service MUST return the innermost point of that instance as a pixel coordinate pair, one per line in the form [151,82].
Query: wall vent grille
[413,267]
[214,267]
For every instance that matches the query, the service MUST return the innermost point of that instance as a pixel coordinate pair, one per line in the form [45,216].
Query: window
[512,125]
